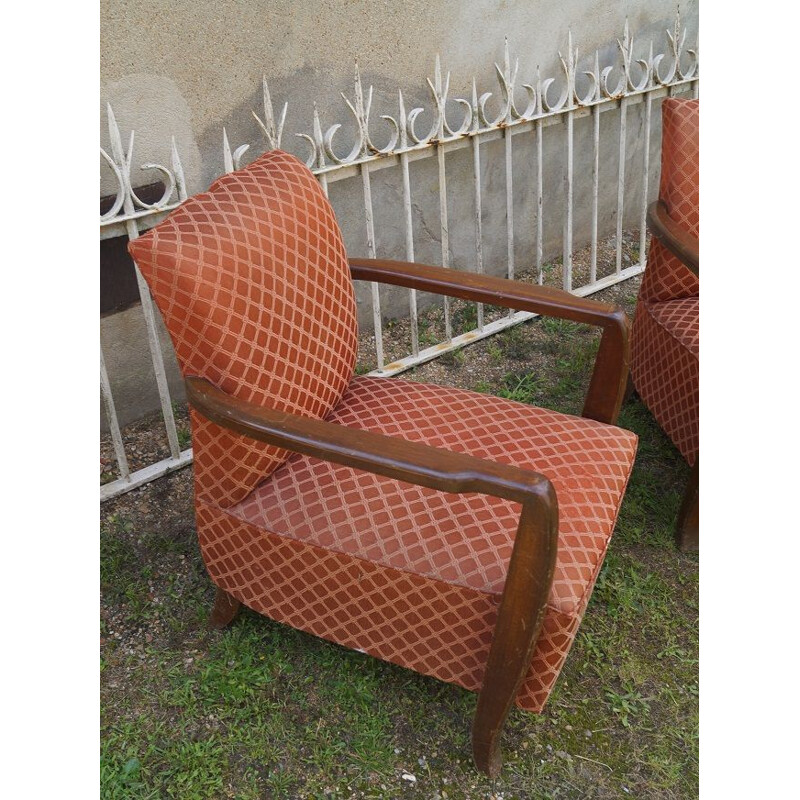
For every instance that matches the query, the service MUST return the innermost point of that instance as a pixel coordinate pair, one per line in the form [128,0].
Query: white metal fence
[610,88]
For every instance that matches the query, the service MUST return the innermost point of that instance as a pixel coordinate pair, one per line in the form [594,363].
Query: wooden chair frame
[533,558]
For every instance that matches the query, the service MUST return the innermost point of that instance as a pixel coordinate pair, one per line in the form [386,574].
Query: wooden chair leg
[225,610]
[630,389]
[687,533]
[519,620]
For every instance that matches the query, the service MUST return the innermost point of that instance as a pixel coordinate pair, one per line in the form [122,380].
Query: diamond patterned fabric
[666,277]
[252,280]
[666,326]
[665,354]
[461,539]
[456,546]
[680,162]
[681,319]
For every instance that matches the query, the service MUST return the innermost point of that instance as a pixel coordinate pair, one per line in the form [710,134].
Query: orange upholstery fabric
[666,328]
[240,274]
[681,319]
[666,278]
[437,560]
[665,350]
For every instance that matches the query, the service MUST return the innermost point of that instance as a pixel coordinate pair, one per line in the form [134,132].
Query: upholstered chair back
[666,278]
[251,278]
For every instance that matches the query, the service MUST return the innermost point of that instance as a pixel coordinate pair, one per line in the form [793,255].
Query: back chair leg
[225,610]
[630,389]
[687,534]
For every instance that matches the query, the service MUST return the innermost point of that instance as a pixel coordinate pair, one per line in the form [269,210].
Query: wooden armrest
[389,456]
[610,374]
[483,288]
[678,241]
[533,557]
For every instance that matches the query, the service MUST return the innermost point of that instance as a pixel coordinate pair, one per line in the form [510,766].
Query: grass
[453,358]
[263,711]
[184,436]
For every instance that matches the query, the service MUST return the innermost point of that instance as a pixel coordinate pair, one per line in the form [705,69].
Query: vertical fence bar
[319,146]
[567,257]
[412,293]
[132,230]
[623,126]
[539,209]
[376,299]
[595,189]
[509,206]
[113,422]
[645,177]
[507,144]
[448,326]
[476,169]
[155,351]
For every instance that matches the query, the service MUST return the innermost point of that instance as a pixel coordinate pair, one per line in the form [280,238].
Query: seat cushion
[464,540]
[411,575]
[681,320]
[665,368]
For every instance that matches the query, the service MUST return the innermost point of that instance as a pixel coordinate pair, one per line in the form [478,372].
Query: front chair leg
[225,610]
[687,533]
[519,620]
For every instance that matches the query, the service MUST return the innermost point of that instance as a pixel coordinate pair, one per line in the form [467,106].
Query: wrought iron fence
[611,88]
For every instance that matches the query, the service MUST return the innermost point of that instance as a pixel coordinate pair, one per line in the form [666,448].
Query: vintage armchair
[665,341]
[454,533]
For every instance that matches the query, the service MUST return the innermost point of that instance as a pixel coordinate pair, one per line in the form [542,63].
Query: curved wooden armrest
[533,557]
[389,456]
[610,375]
[678,241]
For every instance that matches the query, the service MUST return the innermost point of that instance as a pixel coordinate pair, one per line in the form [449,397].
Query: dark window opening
[118,287]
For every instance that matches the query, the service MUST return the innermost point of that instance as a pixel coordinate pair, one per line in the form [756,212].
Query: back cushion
[680,162]
[666,278]
[252,280]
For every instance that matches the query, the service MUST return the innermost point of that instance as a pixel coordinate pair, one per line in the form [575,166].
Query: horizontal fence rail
[635,83]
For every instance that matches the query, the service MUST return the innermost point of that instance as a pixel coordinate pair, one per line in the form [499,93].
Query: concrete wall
[187,68]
